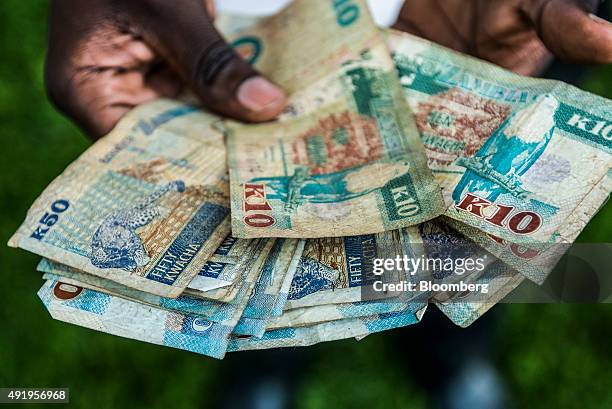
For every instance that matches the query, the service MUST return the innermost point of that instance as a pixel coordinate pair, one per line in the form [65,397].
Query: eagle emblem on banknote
[510,152]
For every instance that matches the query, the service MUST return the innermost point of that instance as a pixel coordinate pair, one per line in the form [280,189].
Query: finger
[211,8]
[225,83]
[572,33]
[430,19]
[97,82]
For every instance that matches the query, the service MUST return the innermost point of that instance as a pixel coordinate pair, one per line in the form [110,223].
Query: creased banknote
[208,309]
[279,267]
[307,316]
[229,259]
[330,331]
[145,206]
[523,162]
[129,319]
[126,318]
[334,270]
[345,158]
[501,281]
[515,156]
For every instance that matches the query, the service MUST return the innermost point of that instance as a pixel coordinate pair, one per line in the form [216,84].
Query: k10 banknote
[346,157]
[515,156]
[146,206]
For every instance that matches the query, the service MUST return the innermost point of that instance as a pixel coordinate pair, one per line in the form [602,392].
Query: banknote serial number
[40,395]
[50,218]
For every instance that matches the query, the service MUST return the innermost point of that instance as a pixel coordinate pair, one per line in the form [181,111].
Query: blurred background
[546,355]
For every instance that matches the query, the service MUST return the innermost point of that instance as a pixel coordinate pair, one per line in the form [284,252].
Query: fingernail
[598,19]
[257,94]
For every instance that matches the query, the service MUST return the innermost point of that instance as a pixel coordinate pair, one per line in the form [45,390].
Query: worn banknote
[463,308]
[335,270]
[279,267]
[330,331]
[121,317]
[515,156]
[491,279]
[145,206]
[175,328]
[308,316]
[229,259]
[345,158]
[206,308]
[537,262]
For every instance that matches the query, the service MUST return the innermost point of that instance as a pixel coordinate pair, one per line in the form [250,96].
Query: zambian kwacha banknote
[523,162]
[228,260]
[308,316]
[334,270]
[280,266]
[129,319]
[346,158]
[145,206]
[515,156]
[330,331]
[126,318]
[211,310]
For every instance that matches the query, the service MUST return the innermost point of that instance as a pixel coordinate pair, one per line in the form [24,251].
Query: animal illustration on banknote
[312,276]
[115,244]
[509,153]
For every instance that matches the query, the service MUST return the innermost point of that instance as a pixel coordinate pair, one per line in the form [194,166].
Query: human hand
[107,56]
[520,35]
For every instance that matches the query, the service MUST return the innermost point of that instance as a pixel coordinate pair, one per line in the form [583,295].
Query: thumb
[572,33]
[185,36]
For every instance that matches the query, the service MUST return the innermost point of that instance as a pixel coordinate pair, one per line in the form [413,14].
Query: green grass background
[551,356]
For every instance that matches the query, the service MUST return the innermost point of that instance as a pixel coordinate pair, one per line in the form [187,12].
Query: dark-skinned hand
[520,35]
[107,56]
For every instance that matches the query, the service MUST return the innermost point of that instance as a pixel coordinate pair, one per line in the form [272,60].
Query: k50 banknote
[145,206]
[346,158]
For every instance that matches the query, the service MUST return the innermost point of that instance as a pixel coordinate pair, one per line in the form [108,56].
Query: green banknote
[515,156]
[146,206]
[345,158]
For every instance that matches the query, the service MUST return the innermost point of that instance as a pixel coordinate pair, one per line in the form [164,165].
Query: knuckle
[212,61]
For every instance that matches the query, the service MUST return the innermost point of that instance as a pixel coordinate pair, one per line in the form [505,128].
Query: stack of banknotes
[188,230]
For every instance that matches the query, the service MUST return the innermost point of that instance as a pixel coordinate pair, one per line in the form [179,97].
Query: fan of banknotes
[392,149]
